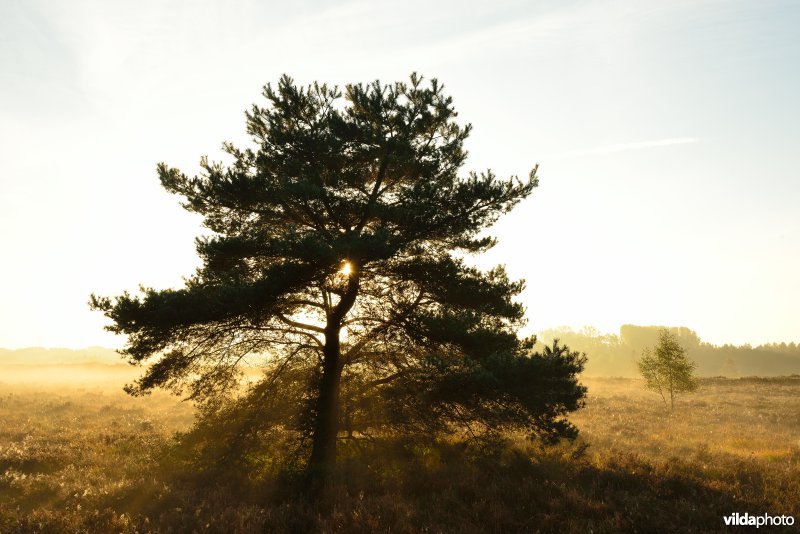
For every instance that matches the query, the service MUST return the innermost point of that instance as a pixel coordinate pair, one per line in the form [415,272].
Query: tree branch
[374,195]
[300,325]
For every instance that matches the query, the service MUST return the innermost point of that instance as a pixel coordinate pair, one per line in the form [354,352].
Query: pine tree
[335,261]
[667,370]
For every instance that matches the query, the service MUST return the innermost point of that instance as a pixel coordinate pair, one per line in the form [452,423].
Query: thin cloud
[625,147]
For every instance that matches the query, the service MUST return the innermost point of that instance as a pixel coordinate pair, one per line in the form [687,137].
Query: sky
[666,135]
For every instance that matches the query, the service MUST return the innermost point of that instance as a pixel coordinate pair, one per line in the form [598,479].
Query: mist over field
[617,354]
[79,455]
[609,355]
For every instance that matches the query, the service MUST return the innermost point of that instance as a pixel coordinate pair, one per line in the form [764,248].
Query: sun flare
[347,269]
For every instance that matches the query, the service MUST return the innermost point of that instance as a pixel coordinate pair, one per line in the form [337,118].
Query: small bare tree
[667,370]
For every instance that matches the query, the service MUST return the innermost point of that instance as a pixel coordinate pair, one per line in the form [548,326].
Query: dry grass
[90,459]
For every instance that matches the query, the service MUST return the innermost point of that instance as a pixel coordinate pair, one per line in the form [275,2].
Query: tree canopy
[336,261]
[667,370]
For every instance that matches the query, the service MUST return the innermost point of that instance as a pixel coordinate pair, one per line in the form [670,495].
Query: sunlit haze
[666,135]
[347,269]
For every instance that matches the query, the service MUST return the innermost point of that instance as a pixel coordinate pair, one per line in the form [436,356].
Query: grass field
[85,457]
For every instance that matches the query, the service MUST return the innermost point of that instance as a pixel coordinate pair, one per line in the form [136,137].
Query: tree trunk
[671,394]
[326,425]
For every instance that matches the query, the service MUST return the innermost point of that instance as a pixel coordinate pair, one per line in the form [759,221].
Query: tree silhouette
[336,263]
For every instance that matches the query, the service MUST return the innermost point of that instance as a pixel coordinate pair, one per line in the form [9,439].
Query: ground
[85,457]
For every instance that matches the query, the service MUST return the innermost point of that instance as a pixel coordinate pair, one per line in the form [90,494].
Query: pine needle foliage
[335,262]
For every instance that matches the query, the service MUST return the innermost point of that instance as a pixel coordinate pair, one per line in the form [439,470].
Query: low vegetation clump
[93,460]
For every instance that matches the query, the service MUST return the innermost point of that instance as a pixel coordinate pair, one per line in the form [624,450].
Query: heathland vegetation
[85,457]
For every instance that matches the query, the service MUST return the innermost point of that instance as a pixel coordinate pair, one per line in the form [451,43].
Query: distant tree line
[60,356]
[617,354]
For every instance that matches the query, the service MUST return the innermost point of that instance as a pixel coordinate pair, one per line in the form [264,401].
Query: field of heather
[85,457]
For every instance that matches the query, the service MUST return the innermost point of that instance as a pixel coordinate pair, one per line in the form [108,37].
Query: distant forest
[609,354]
[616,355]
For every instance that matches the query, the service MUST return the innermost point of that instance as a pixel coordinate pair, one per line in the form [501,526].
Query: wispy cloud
[625,147]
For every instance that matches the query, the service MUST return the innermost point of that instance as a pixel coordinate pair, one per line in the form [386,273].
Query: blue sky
[666,134]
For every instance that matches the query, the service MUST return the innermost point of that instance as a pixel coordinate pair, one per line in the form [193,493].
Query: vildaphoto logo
[747,520]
